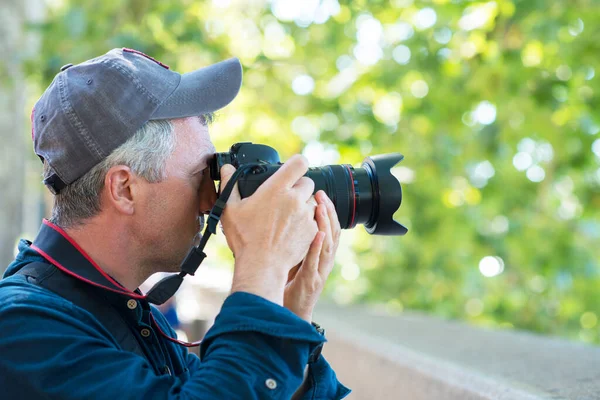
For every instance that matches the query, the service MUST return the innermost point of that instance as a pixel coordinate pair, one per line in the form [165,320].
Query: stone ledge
[418,357]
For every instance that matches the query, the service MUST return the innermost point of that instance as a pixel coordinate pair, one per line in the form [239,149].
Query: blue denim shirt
[52,348]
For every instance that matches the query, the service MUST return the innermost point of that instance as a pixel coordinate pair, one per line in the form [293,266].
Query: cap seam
[75,121]
[41,154]
[165,101]
[73,117]
[138,85]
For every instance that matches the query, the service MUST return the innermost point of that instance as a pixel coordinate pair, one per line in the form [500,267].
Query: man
[125,147]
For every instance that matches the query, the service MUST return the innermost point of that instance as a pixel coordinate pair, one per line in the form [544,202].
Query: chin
[175,262]
[171,262]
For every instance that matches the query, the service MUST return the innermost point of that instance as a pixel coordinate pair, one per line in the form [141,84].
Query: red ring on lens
[353,196]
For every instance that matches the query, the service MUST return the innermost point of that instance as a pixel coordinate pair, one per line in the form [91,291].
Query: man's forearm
[268,284]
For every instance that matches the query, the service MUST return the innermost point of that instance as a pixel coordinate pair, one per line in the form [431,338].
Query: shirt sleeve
[52,349]
[324,383]
[237,316]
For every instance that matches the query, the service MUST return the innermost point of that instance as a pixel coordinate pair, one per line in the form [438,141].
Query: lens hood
[387,195]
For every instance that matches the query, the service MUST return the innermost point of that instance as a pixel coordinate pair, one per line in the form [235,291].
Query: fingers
[289,173]
[227,171]
[324,225]
[334,221]
[328,223]
[305,188]
[312,260]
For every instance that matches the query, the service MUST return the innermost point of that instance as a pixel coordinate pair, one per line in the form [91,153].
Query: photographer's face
[175,204]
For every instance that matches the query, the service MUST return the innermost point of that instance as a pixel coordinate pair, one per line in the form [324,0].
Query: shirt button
[131,304]
[145,332]
[271,383]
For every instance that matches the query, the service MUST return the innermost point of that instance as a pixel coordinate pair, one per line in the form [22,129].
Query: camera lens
[367,195]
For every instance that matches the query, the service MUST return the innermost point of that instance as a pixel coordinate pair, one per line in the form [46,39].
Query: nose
[208,194]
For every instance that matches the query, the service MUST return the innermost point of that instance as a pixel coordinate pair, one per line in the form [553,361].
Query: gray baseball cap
[92,108]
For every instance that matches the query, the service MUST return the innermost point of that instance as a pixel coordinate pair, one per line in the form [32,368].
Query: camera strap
[167,286]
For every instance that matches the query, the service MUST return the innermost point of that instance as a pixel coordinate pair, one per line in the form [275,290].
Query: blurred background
[494,105]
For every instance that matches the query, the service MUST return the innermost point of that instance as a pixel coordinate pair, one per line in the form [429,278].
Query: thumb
[227,171]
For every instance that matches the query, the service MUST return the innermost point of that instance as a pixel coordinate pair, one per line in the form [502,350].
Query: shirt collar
[58,248]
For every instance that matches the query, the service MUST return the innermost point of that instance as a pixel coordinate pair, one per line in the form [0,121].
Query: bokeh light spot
[425,18]
[442,35]
[401,54]
[485,113]
[419,89]
[303,85]
[535,173]
[491,266]
[522,161]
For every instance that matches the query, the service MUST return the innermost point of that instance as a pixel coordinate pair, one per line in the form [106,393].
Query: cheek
[158,209]
[188,202]
[164,201]
[175,205]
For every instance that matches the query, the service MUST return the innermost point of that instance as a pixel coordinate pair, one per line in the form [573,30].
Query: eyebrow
[206,119]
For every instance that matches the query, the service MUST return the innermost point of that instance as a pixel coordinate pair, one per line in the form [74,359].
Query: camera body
[265,157]
[368,195]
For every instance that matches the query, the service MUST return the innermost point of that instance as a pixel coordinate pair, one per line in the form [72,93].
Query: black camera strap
[167,286]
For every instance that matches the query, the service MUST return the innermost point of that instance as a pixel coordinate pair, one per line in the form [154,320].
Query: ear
[120,184]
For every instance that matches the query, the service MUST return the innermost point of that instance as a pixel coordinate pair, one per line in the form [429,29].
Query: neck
[110,252]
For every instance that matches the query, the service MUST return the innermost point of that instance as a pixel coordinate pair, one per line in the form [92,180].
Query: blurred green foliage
[492,103]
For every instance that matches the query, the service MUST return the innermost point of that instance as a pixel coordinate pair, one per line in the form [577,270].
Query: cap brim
[203,91]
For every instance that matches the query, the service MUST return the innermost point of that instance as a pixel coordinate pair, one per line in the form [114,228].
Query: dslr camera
[368,194]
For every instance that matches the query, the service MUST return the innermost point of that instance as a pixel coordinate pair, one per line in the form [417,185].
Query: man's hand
[270,231]
[307,279]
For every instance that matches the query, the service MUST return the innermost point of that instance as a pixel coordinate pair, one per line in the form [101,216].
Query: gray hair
[145,153]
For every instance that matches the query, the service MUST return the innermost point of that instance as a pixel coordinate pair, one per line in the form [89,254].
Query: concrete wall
[417,357]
